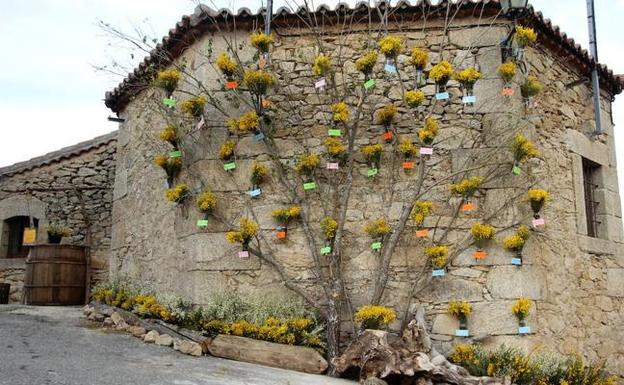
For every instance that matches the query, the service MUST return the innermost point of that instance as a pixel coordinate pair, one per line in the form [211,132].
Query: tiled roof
[190,28]
[56,156]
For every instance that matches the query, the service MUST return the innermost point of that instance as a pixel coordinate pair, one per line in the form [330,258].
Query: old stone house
[73,187]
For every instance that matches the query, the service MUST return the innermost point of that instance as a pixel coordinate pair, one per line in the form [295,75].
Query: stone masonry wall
[75,191]
[574,280]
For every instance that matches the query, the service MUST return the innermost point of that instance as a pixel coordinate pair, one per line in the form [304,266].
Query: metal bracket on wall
[577,83]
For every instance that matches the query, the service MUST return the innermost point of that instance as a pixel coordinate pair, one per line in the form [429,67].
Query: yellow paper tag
[30,236]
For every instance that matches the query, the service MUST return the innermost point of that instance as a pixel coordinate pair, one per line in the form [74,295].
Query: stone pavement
[55,346]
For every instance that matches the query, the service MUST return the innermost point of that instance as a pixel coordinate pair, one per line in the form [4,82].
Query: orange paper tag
[281,234]
[266,103]
[387,135]
[231,85]
[468,206]
[408,165]
[422,233]
[508,91]
[262,63]
[480,254]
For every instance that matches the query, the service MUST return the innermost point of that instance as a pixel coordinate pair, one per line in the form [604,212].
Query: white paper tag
[320,84]
[426,150]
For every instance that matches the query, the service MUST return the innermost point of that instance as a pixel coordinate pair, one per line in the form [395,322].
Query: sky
[51,96]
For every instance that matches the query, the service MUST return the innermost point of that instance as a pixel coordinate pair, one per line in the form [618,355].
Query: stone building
[573,267]
[73,187]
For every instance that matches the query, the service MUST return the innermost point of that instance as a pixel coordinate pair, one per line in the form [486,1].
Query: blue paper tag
[462,333]
[516,261]
[469,99]
[390,68]
[255,192]
[259,136]
[438,272]
[442,96]
[524,330]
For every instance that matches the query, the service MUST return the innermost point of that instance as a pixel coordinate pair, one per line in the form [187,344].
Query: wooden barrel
[56,275]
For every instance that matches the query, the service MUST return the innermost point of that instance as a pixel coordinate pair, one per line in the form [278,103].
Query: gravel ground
[55,345]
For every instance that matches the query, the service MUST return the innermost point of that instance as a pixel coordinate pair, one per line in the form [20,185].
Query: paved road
[55,346]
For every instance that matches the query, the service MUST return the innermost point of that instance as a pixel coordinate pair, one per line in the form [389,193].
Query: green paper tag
[325,250]
[372,172]
[334,132]
[369,84]
[175,154]
[169,102]
[229,166]
[309,186]
[516,170]
[202,223]
[376,246]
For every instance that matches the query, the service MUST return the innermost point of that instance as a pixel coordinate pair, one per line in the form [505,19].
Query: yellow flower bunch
[466,187]
[206,201]
[386,114]
[194,106]
[391,46]
[467,77]
[428,133]
[482,232]
[248,122]
[243,329]
[170,165]
[374,316]
[507,71]
[414,98]
[226,65]
[462,353]
[441,72]
[307,163]
[286,214]
[148,306]
[523,149]
[169,134]
[366,63]
[537,198]
[258,173]
[459,309]
[340,112]
[514,242]
[407,148]
[377,228]
[521,308]
[438,255]
[525,36]
[168,79]
[335,147]
[161,160]
[322,65]
[329,227]
[227,150]
[531,87]
[261,41]
[372,152]
[419,58]
[258,81]
[177,193]
[421,210]
[248,229]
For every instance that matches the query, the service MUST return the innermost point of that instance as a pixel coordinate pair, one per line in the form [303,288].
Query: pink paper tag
[508,91]
[538,222]
[201,123]
[320,84]
[426,150]
[333,166]
[243,254]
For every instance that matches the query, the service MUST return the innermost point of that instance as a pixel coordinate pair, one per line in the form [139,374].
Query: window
[14,228]
[590,172]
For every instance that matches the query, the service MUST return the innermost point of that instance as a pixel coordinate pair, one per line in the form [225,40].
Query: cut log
[298,358]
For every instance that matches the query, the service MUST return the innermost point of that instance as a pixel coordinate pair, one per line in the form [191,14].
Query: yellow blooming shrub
[148,306]
[482,232]
[507,71]
[286,214]
[258,173]
[537,198]
[226,151]
[169,134]
[258,81]
[194,106]
[307,163]
[177,193]
[391,46]
[366,63]
[459,309]
[467,77]
[441,72]
[206,201]
[516,241]
[335,147]
[462,353]
[386,114]
[419,58]
[531,87]
[322,65]
[247,230]
[372,152]
[377,228]
[374,316]
[414,98]
[329,227]
[248,122]
[420,211]
[407,148]
[437,255]
[168,79]
[226,65]
[261,41]
[525,36]
[466,187]
[340,112]
[521,308]
[170,165]
[523,149]
[427,134]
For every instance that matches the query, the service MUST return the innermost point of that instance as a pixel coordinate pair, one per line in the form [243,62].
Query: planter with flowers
[529,89]
[336,150]
[194,106]
[178,193]
[322,66]
[385,117]
[206,203]
[414,98]
[328,227]
[481,234]
[261,41]
[306,165]
[377,229]
[247,230]
[437,256]
[467,188]
[171,166]
[419,59]
[467,79]
[441,73]
[259,172]
[258,83]
[168,81]
[521,309]
[523,37]
[427,135]
[284,216]
[537,198]
[523,150]
[248,122]
[365,65]
[372,153]
[420,211]
[460,310]
[340,116]
[391,47]
[515,243]
[229,68]
[56,232]
[374,317]
[409,151]
[226,154]
[507,72]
